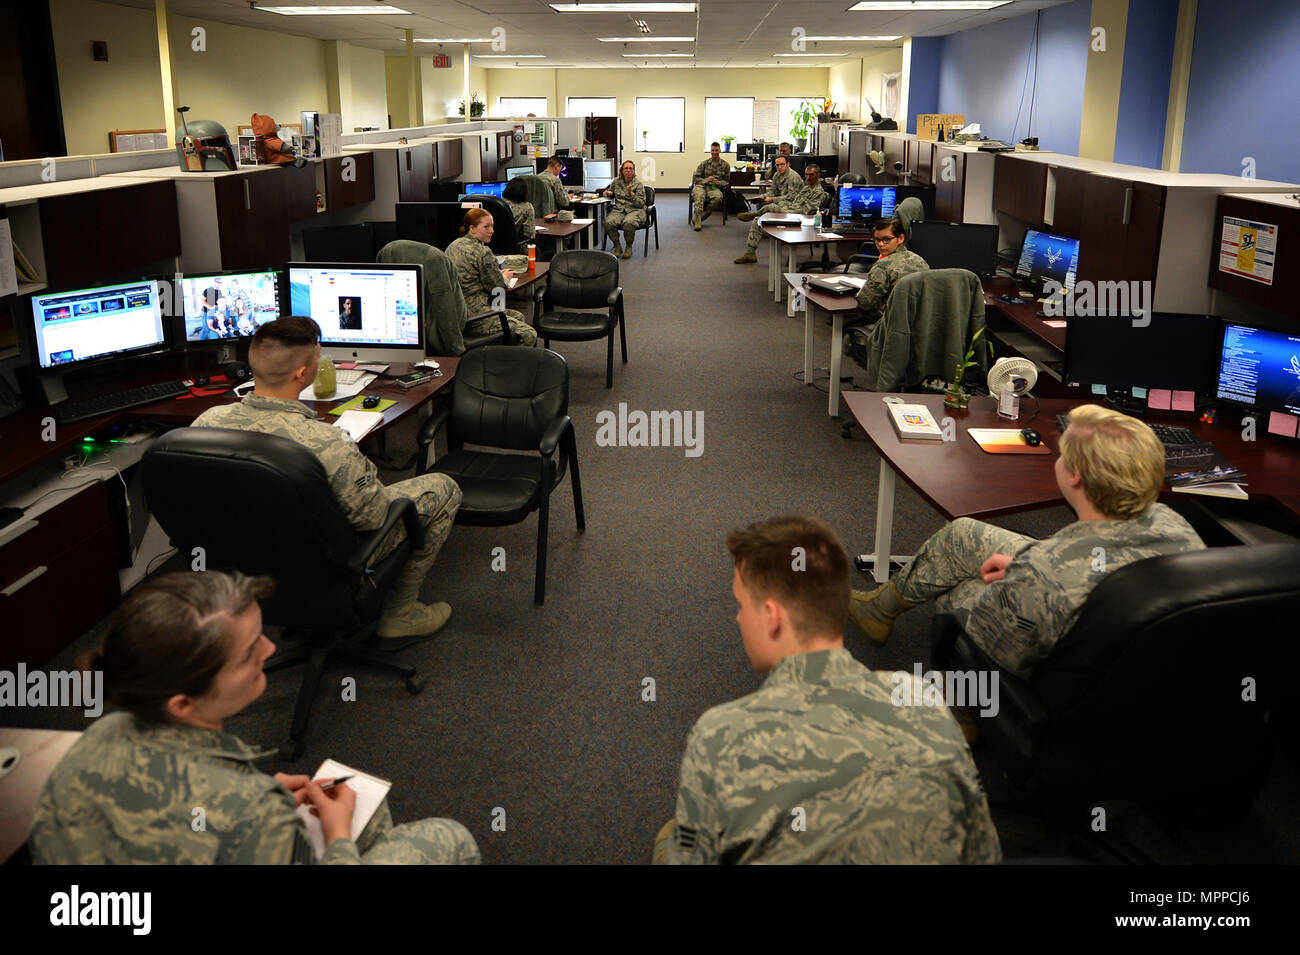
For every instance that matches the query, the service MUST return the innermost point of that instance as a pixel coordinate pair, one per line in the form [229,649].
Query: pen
[334,782]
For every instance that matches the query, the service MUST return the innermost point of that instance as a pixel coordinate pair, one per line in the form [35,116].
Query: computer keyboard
[1170,435]
[69,411]
[350,376]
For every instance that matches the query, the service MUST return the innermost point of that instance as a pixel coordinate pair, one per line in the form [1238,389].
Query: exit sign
[442,61]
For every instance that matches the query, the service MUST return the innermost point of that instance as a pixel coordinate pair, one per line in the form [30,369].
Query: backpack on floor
[736,203]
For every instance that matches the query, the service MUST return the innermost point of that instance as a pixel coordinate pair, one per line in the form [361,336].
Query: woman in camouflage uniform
[516,197]
[629,212]
[476,267]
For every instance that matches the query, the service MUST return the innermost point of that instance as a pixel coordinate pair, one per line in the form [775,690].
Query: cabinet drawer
[57,531]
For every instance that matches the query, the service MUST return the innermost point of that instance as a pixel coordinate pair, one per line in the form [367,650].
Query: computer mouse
[1032,437]
[200,381]
[371,401]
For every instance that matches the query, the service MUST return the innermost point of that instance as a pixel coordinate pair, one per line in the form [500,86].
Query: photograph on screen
[866,203]
[229,305]
[362,305]
[96,322]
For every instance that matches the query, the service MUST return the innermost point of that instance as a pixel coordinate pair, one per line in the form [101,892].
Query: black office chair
[444,303]
[284,522]
[651,220]
[586,279]
[516,399]
[862,260]
[1161,692]
[505,237]
[690,204]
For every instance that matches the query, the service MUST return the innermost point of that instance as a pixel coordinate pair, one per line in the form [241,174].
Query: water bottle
[817,220]
[326,379]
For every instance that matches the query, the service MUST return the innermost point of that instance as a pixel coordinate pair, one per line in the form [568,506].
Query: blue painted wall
[1144,93]
[1245,82]
[982,74]
[923,80]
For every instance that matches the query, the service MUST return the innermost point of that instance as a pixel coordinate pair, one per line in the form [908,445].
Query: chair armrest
[403,509]
[505,325]
[429,429]
[1015,696]
[615,298]
[551,439]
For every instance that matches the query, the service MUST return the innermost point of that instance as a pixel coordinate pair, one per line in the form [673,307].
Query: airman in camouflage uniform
[787,195]
[479,275]
[127,791]
[553,180]
[525,221]
[896,260]
[706,196]
[629,212]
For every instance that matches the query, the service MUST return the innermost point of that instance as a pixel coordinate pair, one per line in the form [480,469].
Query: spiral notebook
[370,791]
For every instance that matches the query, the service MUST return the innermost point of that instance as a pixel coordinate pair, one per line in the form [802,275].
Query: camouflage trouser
[526,334]
[948,565]
[425,842]
[437,498]
[702,195]
[629,222]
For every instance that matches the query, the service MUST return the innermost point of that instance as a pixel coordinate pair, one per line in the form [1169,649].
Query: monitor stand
[52,387]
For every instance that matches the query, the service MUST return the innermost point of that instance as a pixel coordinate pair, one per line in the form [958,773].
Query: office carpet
[554,733]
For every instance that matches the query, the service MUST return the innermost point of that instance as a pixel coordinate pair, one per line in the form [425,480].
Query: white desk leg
[884,521]
[837,348]
[807,340]
[773,279]
[774,264]
[789,302]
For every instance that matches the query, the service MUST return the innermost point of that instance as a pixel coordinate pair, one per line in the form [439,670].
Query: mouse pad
[1004,441]
[355,405]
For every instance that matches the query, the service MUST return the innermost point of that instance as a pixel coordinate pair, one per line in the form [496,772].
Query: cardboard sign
[928,124]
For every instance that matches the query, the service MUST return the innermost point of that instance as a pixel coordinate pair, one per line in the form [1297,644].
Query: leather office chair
[1146,699]
[516,399]
[444,304]
[586,279]
[284,522]
[505,237]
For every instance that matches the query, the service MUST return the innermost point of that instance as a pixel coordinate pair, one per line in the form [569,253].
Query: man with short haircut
[785,195]
[285,355]
[1023,594]
[770,169]
[552,178]
[814,196]
[819,764]
[707,184]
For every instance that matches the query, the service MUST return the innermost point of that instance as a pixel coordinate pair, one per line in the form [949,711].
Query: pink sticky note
[1184,401]
[1158,398]
[1286,425]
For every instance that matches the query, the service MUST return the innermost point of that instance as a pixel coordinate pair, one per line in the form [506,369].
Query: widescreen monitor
[367,312]
[950,245]
[108,321]
[1259,368]
[224,305]
[483,188]
[599,173]
[1153,350]
[512,171]
[1048,258]
[866,203]
[571,170]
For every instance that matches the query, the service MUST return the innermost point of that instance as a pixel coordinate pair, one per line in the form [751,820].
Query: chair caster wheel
[414,686]
[846,431]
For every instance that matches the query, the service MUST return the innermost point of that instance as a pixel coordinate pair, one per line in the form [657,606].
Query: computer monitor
[436,223]
[950,245]
[108,321]
[512,171]
[1159,350]
[367,312]
[599,173]
[219,306]
[749,152]
[866,203]
[1259,368]
[1045,258]
[571,171]
[924,193]
[484,188]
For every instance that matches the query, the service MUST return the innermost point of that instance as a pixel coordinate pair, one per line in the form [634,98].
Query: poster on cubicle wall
[1248,249]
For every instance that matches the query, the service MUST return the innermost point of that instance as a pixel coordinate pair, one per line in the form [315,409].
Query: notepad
[359,423]
[370,791]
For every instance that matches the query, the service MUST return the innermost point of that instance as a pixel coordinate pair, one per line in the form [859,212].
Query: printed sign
[1248,249]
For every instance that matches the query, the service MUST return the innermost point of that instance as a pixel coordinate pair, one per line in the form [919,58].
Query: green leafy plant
[802,119]
[956,396]
[476,106]
[728,139]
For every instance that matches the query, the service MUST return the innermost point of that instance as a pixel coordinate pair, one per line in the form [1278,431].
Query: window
[580,106]
[728,116]
[660,124]
[521,105]
[786,106]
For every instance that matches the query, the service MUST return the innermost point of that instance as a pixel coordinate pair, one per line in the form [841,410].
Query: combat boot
[617,249]
[748,216]
[876,611]
[748,257]
[414,623]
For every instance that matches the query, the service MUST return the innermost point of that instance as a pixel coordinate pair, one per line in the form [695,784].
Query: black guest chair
[690,203]
[1161,692]
[583,279]
[286,523]
[516,399]
[651,221]
[505,237]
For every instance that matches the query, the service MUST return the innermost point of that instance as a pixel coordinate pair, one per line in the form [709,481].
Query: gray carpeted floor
[539,710]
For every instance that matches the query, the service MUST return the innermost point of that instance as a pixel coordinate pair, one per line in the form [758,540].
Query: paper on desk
[1222,489]
[1159,398]
[340,390]
[8,275]
[829,235]
[360,423]
[370,791]
[855,281]
[1054,323]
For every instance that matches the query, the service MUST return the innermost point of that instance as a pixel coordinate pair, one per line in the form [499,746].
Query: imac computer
[1170,351]
[366,312]
[1259,368]
[571,171]
[865,204]
[599,173]
[221,306]
[512,171]
[1048,258]
[483,189]
[950,245]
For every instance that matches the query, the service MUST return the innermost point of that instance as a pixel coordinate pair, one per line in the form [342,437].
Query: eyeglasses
[887,240]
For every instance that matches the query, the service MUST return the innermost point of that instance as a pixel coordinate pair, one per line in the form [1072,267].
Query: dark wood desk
[958,479]
[1024,314]
[562,231]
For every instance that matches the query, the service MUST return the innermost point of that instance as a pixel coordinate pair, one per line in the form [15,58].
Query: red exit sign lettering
[441,61]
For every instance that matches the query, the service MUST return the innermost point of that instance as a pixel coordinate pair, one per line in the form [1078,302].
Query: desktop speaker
[238,371]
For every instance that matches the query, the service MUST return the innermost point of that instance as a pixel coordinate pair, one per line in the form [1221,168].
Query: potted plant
[801,122]
[726,143]
[476,106]
[956,396]
[645,140]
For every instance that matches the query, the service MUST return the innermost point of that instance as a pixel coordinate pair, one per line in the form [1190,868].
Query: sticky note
[1099,390]
[1057,323]
[1286,425]
[1139,393]
[1184,401]
[1159,398]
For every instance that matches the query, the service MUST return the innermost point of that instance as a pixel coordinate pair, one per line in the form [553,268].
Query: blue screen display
[865,203]
[1046,257]
[484,188]
[1260,368]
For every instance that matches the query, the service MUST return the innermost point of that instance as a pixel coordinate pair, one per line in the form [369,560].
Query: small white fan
[1009,378]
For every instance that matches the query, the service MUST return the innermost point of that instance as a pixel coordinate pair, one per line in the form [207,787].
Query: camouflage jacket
[819,765]
[788,185]
[127,793]
[720,169]
[353,477]
[880,280]
[627,197]
[479,274]
[808,201]
[1017,620]
[525,220]
[557,188]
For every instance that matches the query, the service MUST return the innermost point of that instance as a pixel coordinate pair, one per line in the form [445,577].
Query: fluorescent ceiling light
[645,56]
[624,7]
[920,5]
[351,11]
[855,39]
[508,56]
[814,55]
[420,39]
[647,39]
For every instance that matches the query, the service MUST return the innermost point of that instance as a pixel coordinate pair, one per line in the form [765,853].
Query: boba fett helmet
[203,145]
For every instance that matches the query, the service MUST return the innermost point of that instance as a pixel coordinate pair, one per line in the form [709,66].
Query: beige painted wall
[369,93]
[873,67]
[693,84]
[441,90]
[846,87]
